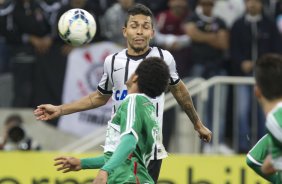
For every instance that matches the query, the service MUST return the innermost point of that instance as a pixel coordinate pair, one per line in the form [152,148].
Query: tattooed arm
[184,99]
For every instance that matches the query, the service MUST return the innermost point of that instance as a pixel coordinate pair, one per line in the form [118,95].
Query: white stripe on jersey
[130,113]
[273,127]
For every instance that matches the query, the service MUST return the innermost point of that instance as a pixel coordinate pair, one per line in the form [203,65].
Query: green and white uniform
[256,156]
[274,127]
[136,115]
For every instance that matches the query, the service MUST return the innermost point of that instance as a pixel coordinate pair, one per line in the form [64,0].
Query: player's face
[138,32]
[254,7]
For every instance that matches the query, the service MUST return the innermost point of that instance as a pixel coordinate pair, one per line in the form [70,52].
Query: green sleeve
[92,163]
[125,148]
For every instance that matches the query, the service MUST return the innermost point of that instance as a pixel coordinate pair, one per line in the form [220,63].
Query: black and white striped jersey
[120,66]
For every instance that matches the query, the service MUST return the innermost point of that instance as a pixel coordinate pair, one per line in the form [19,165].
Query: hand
[101,178]
[247,66]
[67,164]
[204,133]
[47,112]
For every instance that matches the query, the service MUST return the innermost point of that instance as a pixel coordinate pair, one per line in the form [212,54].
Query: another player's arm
[47,111]
[184,99]
[91,101]
[68,164]
[125,148]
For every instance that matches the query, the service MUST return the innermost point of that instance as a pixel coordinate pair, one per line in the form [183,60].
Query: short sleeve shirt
[135,115]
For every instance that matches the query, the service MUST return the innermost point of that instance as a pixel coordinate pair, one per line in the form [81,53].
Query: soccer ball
[77,27]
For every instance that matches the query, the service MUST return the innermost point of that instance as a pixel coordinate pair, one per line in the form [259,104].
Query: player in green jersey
[266,156]
[132,131]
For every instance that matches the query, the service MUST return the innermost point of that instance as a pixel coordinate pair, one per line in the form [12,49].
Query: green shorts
[130,172]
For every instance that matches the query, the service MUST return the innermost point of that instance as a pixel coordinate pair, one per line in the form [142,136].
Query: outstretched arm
[125,148]
[47,111]
[184,99]
[67,164]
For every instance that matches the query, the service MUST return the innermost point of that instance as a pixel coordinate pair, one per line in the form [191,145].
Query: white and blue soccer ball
[77,27]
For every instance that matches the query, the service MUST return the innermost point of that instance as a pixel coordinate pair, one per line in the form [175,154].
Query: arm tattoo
[184,99]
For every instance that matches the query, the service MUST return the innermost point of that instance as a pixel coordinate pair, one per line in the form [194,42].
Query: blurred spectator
[113,21]
[156,6]
[51,8]
[270,8]
[252,35]
[6,7]
[229,10]
[173,37]
[15,137]
[104,4]
[28,35]
[209,36]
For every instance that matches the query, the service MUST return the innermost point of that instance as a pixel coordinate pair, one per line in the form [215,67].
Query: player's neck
[133,52]
[133,89]
[269,105]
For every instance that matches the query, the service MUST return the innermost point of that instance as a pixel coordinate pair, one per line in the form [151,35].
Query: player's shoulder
[115,55]
[138,98]
[160,51]
[164,54]
[274,122]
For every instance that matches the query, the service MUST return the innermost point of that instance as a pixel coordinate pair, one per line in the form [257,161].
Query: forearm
[199,36]
[92,163]
[91,101]
[184,99]
[220,41]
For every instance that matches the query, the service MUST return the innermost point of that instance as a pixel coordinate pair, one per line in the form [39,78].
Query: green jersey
[274,127]
[135,115]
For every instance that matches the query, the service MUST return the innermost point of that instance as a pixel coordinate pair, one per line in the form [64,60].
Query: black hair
[153,76]
[138,9]
[268,71]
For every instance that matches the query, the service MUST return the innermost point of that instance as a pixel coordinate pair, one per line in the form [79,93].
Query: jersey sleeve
[131,118]
[105,85]
[274,124]
[169,59]
[274,127]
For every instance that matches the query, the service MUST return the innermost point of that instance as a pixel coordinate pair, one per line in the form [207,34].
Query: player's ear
[153,33]
[124,32]
[135,78]
[257,92]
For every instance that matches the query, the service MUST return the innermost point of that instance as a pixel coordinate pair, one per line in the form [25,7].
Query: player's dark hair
[268,71]
[138,9]
[153,76]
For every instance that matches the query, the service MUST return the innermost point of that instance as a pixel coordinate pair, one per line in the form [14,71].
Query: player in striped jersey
[138,31]
[269,93]
[132,132]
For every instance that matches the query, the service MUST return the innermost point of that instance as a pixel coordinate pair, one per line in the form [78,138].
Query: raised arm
[47,111]
[184,99]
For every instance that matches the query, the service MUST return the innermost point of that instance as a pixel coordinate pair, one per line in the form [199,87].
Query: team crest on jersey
[93,75]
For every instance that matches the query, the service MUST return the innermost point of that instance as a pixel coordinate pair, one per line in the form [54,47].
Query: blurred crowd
[207,38]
